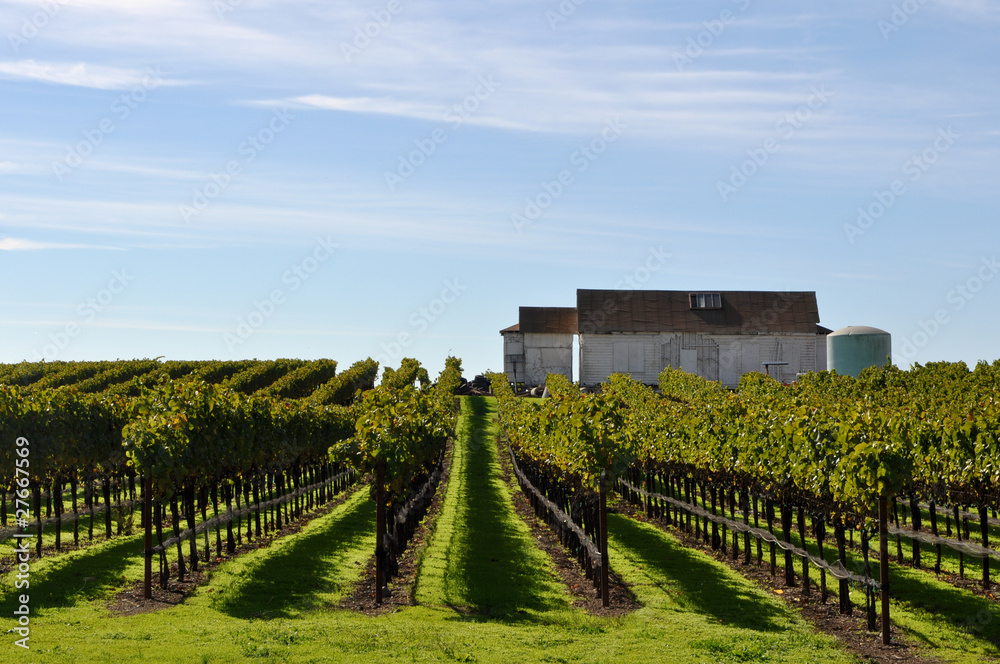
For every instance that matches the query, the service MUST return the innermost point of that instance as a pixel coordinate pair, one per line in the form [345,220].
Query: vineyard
[828,452]
[881,491]
[280,437]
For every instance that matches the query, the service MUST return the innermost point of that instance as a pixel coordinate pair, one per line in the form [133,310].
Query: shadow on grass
[977,616]
[73,578]
[492,568]
[291,578]
[703,585]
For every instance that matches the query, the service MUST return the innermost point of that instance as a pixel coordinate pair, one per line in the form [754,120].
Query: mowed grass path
[482,558]
[487,594]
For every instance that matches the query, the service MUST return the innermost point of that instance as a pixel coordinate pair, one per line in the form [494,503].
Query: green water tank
[851,349]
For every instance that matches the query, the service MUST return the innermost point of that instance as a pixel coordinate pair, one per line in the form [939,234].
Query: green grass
[955,624]
[129,519]
[487,594]
[294,575]
[482,558]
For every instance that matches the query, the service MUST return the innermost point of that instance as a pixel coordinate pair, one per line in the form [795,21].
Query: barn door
[700,356]
[670,353]
[620,358]
[708,359]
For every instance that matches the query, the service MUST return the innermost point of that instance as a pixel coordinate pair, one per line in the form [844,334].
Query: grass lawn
[486,593]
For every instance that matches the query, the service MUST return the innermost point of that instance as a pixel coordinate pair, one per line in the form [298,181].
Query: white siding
[749,358]
[637,354]
[545,354]
[716,357]
[689,360]
[513,356]
[821,362]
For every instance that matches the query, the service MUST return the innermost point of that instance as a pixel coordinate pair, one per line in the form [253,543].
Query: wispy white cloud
[20,244]
[81,74]
[14,168]
[382,105]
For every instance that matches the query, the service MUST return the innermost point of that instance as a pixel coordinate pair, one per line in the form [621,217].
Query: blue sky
[213,179]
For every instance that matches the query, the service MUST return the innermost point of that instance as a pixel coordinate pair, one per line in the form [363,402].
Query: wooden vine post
[883,552]
[379,530]
[147,505]
[605,590]
[984,528]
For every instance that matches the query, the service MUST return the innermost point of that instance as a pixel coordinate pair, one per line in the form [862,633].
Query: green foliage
[261,375]
[575,437]
[216,371]
[177,429]
[401,427]
[66,373]
[450,379]
[118,373]
[184,432]
[342,389]
[25,373]
[408,373]
[829,442]
[69,434]
[302,381]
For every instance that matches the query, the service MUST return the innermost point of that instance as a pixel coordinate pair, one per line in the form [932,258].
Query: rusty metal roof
[742,312]
[547,320]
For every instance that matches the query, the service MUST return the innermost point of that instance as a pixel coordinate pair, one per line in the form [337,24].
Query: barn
[540,343]
[719,335]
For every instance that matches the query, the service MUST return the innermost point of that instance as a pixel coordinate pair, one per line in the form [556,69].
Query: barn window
[706,301]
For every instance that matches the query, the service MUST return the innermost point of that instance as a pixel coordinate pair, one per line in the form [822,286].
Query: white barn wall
[513,356]
[821,361]
[717,357]
[545,354]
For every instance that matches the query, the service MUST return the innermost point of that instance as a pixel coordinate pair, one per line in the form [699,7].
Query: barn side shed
[539,344]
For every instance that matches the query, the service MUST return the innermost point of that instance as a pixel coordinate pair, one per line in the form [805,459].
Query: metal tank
[851,349]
